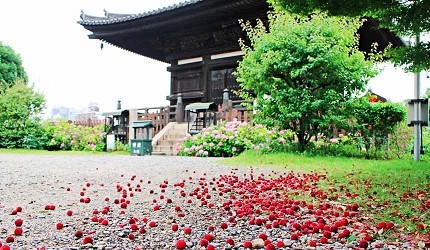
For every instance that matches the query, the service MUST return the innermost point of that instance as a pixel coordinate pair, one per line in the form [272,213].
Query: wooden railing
[239,115]
[159,116]
[228,113]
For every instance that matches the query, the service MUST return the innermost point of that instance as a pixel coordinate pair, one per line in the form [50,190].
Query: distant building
[377,98]
[92,114]
[62,112]
[93,107]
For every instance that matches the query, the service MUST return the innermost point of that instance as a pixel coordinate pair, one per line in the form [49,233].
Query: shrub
[373,122]
[400,141]
[232,138]
[119,146]
[62,135]
[92,138]
[20,106]
[396,145]
[426,140]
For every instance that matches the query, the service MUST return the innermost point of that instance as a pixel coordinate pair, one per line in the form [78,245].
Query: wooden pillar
[206,78]
[132,118]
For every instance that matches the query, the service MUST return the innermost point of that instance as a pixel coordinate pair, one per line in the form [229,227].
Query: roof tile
[111,18]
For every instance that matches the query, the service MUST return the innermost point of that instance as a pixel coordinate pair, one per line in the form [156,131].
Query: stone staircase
[164,143]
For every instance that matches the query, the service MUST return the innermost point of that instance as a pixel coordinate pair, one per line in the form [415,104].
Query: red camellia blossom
[79,233]
[204,242]
[247,244]
[18,222]
[88,240]
[187,230]
[181,244]
[230,241]
[18,231]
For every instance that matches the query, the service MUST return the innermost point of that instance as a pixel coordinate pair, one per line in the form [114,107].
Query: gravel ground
[34,181]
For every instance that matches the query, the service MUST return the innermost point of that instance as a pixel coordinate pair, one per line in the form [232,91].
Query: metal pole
[417,111]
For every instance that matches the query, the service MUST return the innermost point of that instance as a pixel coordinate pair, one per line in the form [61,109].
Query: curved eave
[111,18]
[148,54]
[198,10]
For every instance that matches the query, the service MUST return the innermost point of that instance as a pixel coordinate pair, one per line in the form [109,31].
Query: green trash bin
[142,142]
[141,147]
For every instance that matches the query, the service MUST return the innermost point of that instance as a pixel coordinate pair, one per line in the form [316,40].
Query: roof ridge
[111,18]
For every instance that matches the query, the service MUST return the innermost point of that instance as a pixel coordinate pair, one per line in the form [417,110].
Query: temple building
[199,40]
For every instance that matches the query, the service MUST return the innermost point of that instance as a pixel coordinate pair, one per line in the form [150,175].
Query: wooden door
[219,80]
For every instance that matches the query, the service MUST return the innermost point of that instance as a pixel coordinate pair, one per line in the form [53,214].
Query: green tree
[303,71]
[20,106]
[427,94]
[11,69]
[406,18]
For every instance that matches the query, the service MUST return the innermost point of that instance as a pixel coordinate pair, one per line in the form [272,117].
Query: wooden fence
[239,115]
[89,123]
[242,115]
[159,118]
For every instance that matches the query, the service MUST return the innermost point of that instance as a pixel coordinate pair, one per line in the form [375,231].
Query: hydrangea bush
[62,135]
[232,138]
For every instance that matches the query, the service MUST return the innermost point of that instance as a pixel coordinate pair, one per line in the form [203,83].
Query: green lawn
[46,152]
[395,190]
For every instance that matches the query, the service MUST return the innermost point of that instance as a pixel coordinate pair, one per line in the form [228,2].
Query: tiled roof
[111,18]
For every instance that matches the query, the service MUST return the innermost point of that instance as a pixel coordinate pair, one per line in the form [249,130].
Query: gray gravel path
[37,179]
[33,181]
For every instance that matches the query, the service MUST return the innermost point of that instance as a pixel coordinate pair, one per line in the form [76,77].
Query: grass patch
[395,190]
[46,152]
[308,163]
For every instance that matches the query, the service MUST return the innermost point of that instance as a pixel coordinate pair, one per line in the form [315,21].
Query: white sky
[71,70]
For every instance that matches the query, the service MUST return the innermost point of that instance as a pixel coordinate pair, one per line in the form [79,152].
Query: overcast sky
[71,70]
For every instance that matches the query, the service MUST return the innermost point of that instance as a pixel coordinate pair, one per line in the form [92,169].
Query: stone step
[172,137]
[167,143]
[163,153]
[178,131]
[181,129]
[158,153]
[164,148]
